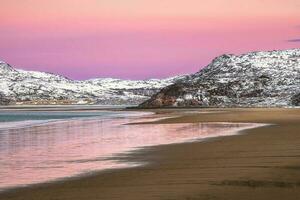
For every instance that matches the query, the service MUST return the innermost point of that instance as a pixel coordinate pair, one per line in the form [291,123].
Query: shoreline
[171,174]
[123,157]
[234,129]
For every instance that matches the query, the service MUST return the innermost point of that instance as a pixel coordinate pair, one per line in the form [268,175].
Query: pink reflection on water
[63,149]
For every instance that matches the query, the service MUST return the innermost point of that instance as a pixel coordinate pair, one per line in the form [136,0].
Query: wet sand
[261,163]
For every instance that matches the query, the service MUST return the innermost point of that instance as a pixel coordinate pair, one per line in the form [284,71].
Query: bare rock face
[4,100]
[30,87]
[258,79]
[296,100]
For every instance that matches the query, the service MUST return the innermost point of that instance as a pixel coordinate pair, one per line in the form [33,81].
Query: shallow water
[58,149]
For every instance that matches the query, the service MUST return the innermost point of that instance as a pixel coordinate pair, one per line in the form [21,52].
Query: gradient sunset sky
[140,39]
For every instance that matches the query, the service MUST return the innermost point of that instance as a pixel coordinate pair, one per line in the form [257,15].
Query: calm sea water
[42,146]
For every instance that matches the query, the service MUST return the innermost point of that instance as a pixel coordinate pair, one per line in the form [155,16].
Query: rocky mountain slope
[30,87]
[258,79]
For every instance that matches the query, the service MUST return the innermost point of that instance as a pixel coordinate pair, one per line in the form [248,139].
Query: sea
[40,145]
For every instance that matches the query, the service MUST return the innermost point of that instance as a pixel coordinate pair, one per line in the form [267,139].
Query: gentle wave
[18,121]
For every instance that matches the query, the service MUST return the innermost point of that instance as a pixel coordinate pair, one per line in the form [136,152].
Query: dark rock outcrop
[296,100]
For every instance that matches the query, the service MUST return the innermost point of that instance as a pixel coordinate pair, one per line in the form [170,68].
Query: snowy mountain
[30,87]
[258,79]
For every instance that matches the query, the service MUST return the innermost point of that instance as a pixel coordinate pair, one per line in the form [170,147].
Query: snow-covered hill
[30,87]
[258,79]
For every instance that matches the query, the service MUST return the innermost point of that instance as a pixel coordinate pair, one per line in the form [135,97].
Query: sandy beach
[260,163]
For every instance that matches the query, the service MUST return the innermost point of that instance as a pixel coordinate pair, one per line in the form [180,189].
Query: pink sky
[139,39]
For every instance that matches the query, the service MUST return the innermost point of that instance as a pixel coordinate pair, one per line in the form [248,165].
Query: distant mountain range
[257,79]
[31,87]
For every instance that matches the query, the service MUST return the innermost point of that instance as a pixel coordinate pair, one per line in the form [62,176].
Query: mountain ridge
[255,79]
[32,87]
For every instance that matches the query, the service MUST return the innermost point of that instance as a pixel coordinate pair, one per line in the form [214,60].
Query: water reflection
[62,149]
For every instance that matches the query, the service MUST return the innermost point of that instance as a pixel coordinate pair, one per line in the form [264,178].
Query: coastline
[260,163]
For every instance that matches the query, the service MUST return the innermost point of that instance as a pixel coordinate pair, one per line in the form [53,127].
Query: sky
[140,39]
